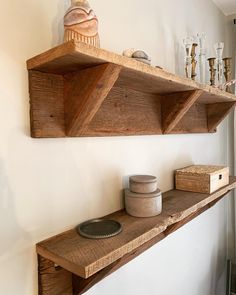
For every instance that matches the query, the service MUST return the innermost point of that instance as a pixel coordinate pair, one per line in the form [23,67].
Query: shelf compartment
[84,262]
[79,90]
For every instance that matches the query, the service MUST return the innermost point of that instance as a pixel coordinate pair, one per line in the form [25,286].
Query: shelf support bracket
[175,106]
[216,113]
[84,94]
[52,279]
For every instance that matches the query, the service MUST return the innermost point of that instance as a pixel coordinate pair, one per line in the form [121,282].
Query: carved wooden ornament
[81,23]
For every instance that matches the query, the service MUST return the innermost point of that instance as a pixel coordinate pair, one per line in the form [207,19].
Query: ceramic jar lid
[143,184]
[143,178]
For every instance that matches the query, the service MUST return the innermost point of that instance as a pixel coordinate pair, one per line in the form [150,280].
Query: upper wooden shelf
[79,90]
[91,260]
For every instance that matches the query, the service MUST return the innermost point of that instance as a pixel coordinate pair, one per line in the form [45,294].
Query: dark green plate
[99,229]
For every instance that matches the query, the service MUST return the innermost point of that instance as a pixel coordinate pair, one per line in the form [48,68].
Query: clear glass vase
[202,57]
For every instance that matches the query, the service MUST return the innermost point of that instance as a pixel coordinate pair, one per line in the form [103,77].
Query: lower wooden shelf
[70,264]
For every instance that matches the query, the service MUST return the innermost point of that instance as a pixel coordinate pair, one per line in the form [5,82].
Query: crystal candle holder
[202,57]
[188,42]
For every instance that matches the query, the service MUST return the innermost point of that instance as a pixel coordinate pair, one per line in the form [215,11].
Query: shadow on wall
[165,176]
[58,23]
[214,282]
[183,160]
[13,237]
[31,37]
[218,281]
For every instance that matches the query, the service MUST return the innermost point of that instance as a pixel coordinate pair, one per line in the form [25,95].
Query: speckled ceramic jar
[81,23]
[143,205]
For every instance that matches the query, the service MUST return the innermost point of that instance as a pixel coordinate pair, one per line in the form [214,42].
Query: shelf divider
[217,112]
[175,106]
[84,94]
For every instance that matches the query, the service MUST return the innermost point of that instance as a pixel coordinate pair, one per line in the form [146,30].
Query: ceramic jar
[143,205]
[143,184]
[143,199]
[81,23]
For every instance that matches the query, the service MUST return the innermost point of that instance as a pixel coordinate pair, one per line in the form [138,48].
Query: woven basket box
[201,178]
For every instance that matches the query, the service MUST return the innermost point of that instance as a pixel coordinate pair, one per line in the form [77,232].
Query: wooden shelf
[84,262]
[79,90]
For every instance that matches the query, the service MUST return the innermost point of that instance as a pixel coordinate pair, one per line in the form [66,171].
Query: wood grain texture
[53,280]
[127,112]
[80,285]
[85,257]
[175,106]
[194,121]
[104,94]
[73,56]
[217,112]
[84,93]
[46,105]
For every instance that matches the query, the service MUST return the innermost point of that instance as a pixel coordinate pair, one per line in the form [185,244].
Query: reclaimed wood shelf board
[70,264]
[79,90]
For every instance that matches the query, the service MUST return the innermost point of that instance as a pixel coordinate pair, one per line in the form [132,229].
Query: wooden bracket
[53,280]
[216,112]
[175,106]
[46,105]
[84,94]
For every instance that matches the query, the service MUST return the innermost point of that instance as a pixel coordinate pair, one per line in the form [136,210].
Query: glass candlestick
[219,48]
[188,42]
[202,57]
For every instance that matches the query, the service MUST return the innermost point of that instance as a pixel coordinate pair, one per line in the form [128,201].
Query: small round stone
[140,54]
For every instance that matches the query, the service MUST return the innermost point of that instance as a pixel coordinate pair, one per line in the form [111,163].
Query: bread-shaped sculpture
[81,23]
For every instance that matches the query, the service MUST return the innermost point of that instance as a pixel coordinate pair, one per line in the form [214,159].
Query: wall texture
[48,186]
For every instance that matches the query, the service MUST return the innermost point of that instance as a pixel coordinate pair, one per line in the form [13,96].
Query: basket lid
[200,169]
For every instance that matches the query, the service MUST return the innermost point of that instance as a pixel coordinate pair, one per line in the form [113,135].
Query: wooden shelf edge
[72,47]
[50,55]
[51,278]
[81,285]
[87,274]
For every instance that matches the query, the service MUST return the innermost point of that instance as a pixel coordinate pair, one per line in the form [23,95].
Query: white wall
[50,185]
[231,52]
